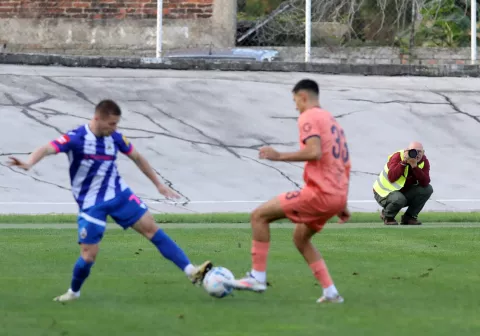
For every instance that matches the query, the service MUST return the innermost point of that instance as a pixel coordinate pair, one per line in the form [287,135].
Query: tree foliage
[431,23]
[445,23]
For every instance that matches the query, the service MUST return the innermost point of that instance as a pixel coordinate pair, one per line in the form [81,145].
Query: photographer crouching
[404,181]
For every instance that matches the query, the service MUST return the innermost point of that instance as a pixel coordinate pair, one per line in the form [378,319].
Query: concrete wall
[376,55]
[114,27]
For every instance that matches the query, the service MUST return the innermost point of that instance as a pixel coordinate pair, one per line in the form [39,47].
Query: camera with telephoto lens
[412,153]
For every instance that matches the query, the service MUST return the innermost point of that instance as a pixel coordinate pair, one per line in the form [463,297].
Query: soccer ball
[213,282]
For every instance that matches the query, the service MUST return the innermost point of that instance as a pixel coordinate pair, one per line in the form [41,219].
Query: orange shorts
[311,207]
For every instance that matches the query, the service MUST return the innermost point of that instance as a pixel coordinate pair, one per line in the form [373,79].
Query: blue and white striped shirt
[94,175]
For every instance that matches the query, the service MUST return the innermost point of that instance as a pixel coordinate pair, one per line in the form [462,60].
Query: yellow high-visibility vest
[383,186]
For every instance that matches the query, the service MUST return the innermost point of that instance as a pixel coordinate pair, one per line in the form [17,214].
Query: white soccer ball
[213,282]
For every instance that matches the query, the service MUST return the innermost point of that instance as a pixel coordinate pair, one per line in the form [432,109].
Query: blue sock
[170,250]
[81,270]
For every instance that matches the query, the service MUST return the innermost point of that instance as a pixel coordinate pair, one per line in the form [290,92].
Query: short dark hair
[108,107]
[306,85]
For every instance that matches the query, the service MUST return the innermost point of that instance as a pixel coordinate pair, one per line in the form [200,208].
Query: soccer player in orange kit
[327,173]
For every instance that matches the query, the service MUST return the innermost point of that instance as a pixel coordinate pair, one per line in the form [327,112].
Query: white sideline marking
[459,200]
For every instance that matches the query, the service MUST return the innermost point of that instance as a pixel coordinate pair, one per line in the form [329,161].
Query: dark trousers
[415,198]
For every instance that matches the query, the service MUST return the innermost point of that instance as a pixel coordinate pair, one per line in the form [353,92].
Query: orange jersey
[331,173]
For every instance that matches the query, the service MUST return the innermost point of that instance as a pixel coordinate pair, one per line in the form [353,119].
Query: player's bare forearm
[306,154]
[39,153]
[311,151]
[145,167]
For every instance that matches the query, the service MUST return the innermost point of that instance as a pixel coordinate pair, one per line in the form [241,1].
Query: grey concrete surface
[201,131]
[444,70]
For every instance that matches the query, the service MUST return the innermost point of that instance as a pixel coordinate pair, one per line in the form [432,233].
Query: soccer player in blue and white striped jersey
[100,191]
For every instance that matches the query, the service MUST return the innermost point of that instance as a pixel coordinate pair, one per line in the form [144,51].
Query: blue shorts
[125,209]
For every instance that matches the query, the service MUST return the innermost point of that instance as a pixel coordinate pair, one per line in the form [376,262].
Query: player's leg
[169,249]
[302,237]
[130,211]
[91,227]
[261,217]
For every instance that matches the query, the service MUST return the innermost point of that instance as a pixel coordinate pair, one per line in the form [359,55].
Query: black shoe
[409,220]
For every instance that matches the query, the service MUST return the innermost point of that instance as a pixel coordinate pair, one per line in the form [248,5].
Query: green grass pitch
[396,281]
[228,217]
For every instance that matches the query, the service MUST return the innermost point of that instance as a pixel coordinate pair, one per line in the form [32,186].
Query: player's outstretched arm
[311,151]
[147,169]
[36,156]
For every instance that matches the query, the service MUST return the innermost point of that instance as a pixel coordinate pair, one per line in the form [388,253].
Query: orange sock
[259,255]
[320,271]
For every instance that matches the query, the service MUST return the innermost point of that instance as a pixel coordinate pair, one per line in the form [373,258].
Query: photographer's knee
[399,200]
[428,190]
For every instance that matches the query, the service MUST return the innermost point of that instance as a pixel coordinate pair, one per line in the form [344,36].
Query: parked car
[235,54]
